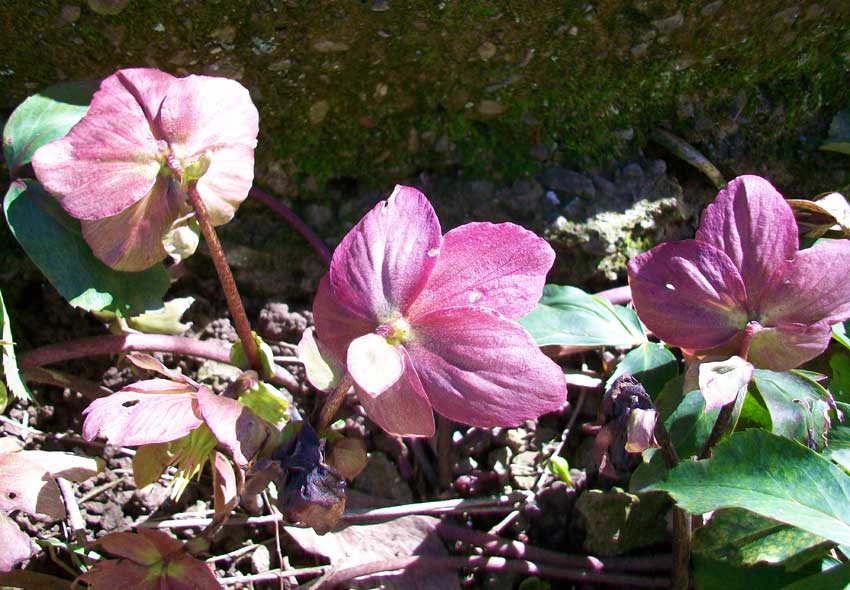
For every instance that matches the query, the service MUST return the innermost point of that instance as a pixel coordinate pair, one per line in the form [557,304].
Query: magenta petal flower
[426,322]
[123,170]
[742,286]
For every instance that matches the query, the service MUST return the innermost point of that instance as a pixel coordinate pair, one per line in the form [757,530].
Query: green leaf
[839,134]
[838,445]
[839,334]
[798,407]
[53,241]
[835,578]
[43,117]
[839,385]
[712,574]
[238,358]
[770,475]
[267,402]
[10,364]
[650,363]
[165,320]
[690,425]
[560,468]
[745,538]
[568,316]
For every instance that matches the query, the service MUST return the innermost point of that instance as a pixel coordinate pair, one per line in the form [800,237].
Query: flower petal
[226,182]
[403,409]
[499,266]
[132,240]
[382,264]
[688,293]
[480,368]
[374,364]
[205,112]
[721,382]
[336,324]
[108,161]
[815,287]
[788,346]
[751,222]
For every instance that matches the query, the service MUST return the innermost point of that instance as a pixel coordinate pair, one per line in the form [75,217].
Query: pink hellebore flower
[743,285]
[124,169]
[424,321]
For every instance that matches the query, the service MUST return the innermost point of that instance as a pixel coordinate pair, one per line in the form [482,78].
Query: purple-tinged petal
[382,264]
[132,240]
[226,182]
[403,409]
[480,368]
[751,222]
[788,346]
[721,382]
[145,412]
[501,267]
[204,112]
[109,160]
[374,364]
[15,545]
[336,324]
[234,425]
[688,293]
[815,287]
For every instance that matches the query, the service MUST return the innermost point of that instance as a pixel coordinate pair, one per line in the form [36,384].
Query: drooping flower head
[123,170]
[744,284]
[422,321]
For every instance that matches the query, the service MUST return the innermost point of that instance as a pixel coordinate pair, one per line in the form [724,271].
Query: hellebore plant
[147,139]
[743,286]
[423,321]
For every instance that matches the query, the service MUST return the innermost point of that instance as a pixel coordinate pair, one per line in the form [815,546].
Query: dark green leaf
[712,574]
[770,475]
[53,241]
[10,365]
[745,538]
[690,425]
[839,134]
[568,316]
[839,333]
[650,363]
[798,407]
[839,385]
[43,117]
[835,578]
[838,445]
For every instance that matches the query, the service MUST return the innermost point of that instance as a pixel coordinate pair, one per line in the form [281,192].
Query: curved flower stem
[225,276]
[116,344]
[296,222]
[617,295]
[334,402]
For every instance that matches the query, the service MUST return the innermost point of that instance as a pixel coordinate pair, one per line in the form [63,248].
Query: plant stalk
[680,576]
[119,343]
[228,283]
[334,402]
[296,222]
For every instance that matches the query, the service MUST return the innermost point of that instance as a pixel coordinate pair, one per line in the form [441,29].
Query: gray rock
[569,182]
[381,478]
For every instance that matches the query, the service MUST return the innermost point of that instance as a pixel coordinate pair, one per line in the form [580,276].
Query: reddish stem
[495,545]
[225,276]
[116,344]
[334,402]
[617,295]
[296,222]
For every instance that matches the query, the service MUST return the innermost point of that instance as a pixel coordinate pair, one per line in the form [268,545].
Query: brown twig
[276,574]
[89,389]
[72,508]
[117,344]
[495,545]
[334,402]
[296,222]
[225,276]
[493,564]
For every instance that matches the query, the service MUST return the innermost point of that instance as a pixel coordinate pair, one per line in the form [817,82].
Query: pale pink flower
[123,170]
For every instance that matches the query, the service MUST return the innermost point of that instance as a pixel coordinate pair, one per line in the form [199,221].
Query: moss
[571,77]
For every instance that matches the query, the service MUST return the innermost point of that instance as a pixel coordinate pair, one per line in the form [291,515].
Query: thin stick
[225,277]
[94,492]
[75,518]
[296,222]
[500,546]
[493,564]
[564,436]
[471,505]
[334,402]
[89,389]
[117,344]
[275,574]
